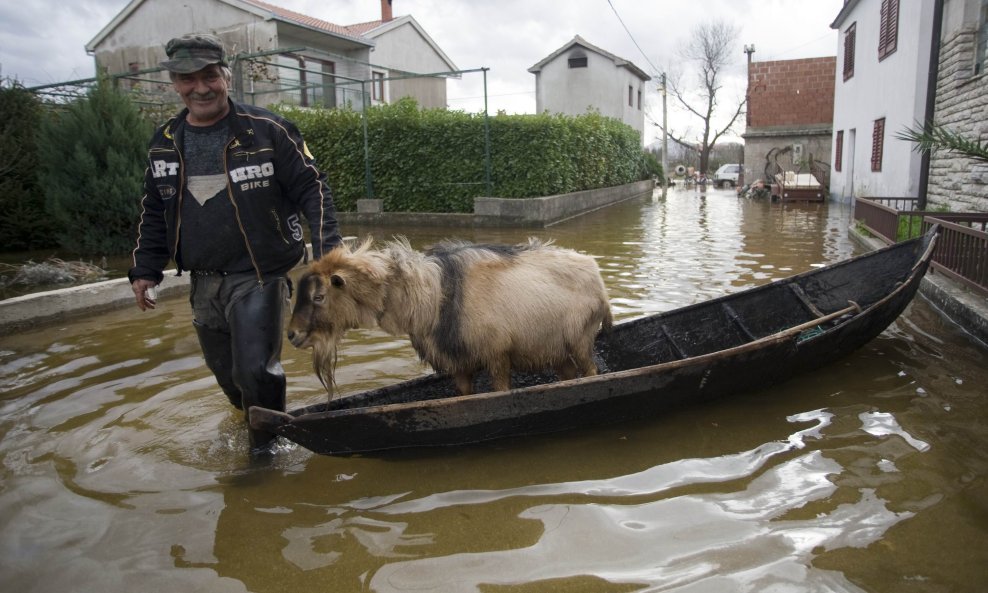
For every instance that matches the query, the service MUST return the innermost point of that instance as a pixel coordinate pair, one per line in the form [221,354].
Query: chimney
[386,10]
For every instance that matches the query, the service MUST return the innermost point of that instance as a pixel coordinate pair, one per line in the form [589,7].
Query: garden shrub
[24,223]
[92,155]
[432,160]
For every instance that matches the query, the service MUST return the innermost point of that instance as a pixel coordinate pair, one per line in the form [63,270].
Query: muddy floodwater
[125,469]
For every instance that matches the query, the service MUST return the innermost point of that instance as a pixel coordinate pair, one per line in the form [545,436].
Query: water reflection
[123,468]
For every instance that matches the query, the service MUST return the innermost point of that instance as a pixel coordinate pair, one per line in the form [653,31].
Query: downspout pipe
[931,99]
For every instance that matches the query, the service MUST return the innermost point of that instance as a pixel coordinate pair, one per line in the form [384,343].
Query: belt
[216,272]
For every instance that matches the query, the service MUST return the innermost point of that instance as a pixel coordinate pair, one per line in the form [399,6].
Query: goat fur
[465,307]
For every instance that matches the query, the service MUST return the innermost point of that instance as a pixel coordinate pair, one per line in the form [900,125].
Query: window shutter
[849,50]
[839,154]
[877,144]
[888,34]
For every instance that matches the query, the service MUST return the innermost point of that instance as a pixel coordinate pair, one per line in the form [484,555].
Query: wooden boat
[742,341]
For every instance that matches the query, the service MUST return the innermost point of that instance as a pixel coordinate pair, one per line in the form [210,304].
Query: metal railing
[962,249]
[961,252]
[883,216]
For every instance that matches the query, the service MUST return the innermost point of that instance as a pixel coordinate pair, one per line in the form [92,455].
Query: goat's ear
[337,281]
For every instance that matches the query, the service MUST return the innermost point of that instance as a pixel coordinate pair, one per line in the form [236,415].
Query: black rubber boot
[217,349]
[256,325]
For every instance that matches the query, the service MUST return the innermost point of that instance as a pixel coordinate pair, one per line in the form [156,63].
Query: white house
[883,65]
[285,55]
[580,76]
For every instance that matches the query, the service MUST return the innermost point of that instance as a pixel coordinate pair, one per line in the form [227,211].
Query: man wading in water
[223,192]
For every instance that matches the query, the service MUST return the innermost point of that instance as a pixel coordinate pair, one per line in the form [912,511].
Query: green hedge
[432,160]
[77,182]
[91,157]
[24,221]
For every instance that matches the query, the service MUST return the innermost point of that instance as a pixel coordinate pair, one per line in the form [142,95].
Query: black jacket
[271,179]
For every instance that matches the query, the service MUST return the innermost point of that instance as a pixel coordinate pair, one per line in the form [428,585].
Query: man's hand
[141,286]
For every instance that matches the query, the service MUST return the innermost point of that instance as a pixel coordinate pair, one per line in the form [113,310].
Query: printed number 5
[295,227]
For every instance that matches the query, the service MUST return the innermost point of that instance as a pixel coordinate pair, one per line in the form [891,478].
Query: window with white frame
[377,86]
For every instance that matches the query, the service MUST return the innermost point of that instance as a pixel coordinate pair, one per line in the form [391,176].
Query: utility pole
[748,49]
[665,139]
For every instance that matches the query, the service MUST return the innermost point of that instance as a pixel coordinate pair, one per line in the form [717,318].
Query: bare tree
[711,47]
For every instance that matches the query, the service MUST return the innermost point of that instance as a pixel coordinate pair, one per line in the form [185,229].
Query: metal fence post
[368,179]
[489,192]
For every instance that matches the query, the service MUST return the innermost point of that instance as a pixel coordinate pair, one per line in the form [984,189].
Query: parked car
[727,176]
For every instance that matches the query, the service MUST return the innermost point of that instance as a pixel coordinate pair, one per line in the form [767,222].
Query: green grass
[909,227]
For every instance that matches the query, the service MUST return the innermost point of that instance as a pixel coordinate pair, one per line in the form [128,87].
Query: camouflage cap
[191,53]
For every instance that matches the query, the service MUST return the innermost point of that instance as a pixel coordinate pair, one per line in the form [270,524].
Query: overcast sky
[43,41]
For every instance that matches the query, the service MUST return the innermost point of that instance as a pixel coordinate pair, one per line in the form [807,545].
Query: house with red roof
[278,55]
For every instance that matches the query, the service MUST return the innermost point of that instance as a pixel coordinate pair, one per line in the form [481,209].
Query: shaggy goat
[465,307]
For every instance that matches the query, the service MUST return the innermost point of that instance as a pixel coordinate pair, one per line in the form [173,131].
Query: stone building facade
[956,183]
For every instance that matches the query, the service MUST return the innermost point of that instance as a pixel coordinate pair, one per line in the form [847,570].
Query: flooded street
[124,468]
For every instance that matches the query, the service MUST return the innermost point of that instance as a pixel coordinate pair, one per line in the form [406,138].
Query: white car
[727,175]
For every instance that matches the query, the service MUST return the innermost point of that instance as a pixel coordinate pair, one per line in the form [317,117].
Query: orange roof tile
[290,15]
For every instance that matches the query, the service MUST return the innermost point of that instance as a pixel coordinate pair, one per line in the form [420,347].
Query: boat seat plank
[805,299]
[702,331]
[733,316]
[776,308]
[680,353]
[645,345]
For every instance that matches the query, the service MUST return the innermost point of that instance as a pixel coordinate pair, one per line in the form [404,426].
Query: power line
[620,20]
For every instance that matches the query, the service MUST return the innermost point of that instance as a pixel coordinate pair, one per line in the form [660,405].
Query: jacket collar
[244,135]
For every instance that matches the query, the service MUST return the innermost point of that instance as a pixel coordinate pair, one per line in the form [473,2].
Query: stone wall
[956,183]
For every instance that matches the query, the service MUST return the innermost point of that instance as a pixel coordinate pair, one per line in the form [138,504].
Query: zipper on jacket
[178,210]
[236,209]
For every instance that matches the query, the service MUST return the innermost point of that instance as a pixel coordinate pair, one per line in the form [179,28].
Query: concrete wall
[957,183]
[549,210]
[404,48]
[894,89]
[142,36]
[511,212]
[53,306]
[771,149]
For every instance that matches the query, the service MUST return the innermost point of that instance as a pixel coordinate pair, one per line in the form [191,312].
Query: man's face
[204,93]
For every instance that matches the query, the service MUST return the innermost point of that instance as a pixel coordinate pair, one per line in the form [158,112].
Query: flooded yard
[125,469]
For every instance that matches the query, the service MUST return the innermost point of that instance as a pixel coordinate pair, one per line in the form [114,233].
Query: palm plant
[938,137]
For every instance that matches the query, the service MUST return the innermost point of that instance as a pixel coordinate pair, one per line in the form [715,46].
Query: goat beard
[325,354]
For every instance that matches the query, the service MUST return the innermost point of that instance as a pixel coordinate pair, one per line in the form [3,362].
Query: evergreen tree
[92,157]
[23,221]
